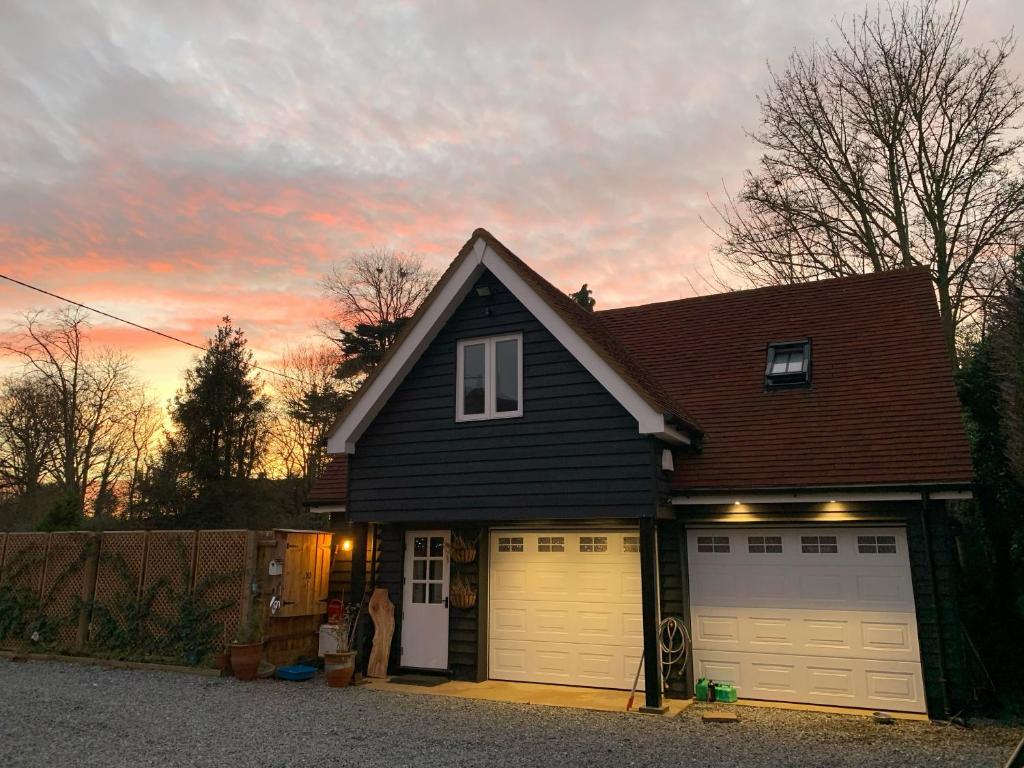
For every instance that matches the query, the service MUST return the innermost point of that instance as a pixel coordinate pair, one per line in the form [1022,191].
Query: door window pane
[436,546]
[419,546]
[435,569]
[506,366]
[419,593]
[473,377]
[435,592]
[419,569]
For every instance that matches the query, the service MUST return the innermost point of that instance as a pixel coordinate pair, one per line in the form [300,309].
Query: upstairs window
[789,364]
[490,378]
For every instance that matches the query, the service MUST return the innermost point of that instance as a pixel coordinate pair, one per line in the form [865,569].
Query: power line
[134,325]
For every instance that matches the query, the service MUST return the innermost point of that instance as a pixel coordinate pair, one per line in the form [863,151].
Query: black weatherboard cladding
[575,453]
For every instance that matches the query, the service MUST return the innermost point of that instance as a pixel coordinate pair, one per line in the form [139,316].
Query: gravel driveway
[67,714]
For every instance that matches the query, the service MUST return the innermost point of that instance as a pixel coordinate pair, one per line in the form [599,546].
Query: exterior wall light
[346,545]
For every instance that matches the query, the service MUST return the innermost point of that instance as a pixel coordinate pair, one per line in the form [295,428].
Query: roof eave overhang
[825,494]
[439,308]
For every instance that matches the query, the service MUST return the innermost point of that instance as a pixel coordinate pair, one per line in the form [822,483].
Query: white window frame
[490,390]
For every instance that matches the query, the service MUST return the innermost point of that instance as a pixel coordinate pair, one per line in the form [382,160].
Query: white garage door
[814,615]
[564,607]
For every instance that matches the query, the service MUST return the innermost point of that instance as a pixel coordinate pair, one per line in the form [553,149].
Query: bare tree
[89,395]
[372,293]
[307,404]
[895,146]
[377,286]
[28,432]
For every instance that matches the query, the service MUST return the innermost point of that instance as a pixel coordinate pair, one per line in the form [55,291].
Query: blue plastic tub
[296,672]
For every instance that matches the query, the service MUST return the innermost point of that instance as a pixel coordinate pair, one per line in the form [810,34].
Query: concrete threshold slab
[596,699]
[827,710]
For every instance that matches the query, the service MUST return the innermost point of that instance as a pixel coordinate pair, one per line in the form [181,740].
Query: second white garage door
[814,615]
[564,607]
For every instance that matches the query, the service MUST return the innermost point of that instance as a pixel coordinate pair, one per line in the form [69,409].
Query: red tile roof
[332,485]
[881,408]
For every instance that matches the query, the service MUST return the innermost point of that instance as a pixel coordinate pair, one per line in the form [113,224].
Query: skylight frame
[788,379]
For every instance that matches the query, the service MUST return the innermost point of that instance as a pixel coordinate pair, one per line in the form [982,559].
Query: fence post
[89,570]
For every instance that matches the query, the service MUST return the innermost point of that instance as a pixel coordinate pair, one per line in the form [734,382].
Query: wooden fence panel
[223,575]
[66,584]
[119,574]
[170,560]
[25,560]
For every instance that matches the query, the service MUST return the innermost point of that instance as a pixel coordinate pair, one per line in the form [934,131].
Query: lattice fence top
[169,563]
[220,575]
[64,580]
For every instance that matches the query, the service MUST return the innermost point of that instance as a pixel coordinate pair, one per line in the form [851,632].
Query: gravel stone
[73,715]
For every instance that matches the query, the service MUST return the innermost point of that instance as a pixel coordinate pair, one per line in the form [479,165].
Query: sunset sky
[176,162]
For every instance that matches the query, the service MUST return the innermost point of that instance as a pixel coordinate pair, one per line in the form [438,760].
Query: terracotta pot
[245,659]
[339,668]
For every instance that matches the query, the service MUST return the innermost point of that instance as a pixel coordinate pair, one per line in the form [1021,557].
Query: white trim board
[822,497]
[346,433]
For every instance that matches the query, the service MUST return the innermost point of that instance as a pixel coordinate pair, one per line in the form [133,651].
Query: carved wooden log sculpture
[382,612]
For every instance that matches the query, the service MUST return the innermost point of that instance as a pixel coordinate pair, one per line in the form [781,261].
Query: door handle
[446,602]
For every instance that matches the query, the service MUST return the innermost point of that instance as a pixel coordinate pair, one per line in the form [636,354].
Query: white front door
[425,600]
[564,607]
[807,614]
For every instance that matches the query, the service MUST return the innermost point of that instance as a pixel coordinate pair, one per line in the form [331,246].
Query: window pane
[419,569]
[435,592]
[473,396]
[419,546]
[506,367]
[796,362]
[780,362]
[435,569]
[419,593]
[436,546]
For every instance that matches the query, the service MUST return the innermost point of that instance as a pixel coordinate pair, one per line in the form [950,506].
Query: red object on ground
[334,608]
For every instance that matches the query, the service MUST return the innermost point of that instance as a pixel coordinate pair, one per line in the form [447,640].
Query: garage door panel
[599,666]
[806,632]
[826,681]
[827,616]
[571,616]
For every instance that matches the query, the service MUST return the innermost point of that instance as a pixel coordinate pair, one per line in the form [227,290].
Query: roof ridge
[598,334]
[887,274]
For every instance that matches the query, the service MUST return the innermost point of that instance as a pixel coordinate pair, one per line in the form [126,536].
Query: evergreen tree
[220,419]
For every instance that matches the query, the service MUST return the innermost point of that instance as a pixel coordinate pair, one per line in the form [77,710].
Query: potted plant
[340,666]
[247,649]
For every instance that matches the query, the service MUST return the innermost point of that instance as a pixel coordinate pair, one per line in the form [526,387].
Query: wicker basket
[462,551]
[463,600]
[461,594]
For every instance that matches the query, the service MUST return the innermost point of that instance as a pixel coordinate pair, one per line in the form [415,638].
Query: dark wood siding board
[463,624]
[935,604]
[673,589]
[574,454]
[390,557]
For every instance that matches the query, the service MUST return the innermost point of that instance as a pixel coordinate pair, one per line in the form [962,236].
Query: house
[771,465]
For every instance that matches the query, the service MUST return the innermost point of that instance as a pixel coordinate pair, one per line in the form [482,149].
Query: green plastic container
[724,692]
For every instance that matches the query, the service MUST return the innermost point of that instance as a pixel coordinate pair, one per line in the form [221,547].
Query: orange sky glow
[177,167]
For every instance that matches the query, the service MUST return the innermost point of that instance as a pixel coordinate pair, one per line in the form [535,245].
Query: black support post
[652,615]
[359,540]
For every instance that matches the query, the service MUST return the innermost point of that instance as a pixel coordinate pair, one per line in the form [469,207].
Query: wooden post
[651,615]
[359,531]
[90,568]
[382,611]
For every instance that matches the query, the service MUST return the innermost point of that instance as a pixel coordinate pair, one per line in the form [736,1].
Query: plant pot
[245,659]
[339,668]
